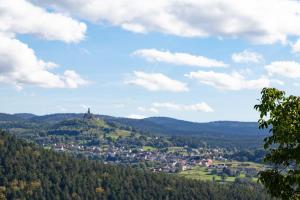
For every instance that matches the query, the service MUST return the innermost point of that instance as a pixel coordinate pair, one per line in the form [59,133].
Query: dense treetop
[281,115]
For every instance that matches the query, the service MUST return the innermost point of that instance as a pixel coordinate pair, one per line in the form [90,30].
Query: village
[111,145]
[168,160]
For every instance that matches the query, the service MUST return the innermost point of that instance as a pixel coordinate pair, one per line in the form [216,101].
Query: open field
[119,134]
[237,164]
[201,173]
[204,173]
[149,148]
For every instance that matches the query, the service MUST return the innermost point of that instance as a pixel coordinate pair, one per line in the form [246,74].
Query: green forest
[29,172]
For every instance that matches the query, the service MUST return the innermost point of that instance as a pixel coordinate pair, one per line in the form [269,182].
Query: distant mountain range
[170,126]
[155,125]
[218,133]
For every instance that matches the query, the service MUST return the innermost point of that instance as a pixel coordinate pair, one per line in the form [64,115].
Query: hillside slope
[160,125]
[221,133]
[29,172]
[170,126]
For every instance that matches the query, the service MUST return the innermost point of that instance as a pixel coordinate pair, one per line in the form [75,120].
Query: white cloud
[233,81]
[136,116]
[154,110]
[22,17]
[246,71]
[296,46]
[247,56]
[169,105]
[151,109]
[264,21]
[157,82]
[288,69]
[154,55]
[276,81]
[72,79]
[19,65]
[201,107]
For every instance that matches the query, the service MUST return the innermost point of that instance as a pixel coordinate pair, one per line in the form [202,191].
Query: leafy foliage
[281,115]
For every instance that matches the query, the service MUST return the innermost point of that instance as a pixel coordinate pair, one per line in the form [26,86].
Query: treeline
[248,155]
[241,142]
[241,135]
[30,172]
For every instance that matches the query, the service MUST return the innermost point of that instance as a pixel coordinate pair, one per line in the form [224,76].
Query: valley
[197,155]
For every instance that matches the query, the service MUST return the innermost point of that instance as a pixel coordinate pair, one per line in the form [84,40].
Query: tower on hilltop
[88,115]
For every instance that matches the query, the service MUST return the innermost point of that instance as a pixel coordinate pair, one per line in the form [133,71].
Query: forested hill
[155,125]
[29,172]
[170,126]
[217,134]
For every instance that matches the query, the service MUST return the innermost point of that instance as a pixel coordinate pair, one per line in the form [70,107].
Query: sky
[197,60]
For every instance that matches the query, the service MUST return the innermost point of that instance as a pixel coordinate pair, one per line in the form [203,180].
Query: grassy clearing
[173,149]
[199,173]
[237,164]
[118,133]
[202,173]
[122,133]
[148,148]
[100,123]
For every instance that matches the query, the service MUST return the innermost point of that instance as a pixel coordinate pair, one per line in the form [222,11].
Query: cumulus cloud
[296,46]
[247,56]
[277,82]
[154,55]
[18,63]
[223,81]
[264,21]
[22,17]
[20,66]
[157,82]
[200,107]
[288,69]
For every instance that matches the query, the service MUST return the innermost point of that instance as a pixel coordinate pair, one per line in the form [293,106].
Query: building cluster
[166,160]
[135,151]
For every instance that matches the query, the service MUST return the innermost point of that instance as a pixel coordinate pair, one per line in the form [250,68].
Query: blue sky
[132,73]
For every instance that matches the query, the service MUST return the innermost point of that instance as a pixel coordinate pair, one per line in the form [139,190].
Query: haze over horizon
[192,60]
